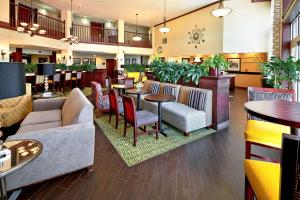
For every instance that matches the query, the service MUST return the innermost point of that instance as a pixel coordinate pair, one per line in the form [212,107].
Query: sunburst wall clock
[196,36]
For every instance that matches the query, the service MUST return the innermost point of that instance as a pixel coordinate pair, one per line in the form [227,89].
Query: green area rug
[147,146]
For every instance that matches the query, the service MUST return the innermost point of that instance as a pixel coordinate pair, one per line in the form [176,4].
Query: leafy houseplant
[281,73]
[216,64]
[30,68]
[61,66]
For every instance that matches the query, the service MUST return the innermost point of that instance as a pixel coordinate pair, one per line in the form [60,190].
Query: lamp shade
[12,80]
[46,69]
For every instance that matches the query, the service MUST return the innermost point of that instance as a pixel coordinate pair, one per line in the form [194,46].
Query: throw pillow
[154,88]
[197,99]
[167,89]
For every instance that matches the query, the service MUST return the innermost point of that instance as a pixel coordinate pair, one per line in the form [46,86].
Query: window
[295,28]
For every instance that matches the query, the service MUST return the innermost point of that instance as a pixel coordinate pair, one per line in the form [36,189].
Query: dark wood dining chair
[263,133]
[266,180]
[115,107]
[67,81]
[56,83]
[76,79]
[138,119]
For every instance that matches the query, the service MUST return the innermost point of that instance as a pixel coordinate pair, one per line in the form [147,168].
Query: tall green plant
[217,62]
[61,66]
[30,68]
[279,70]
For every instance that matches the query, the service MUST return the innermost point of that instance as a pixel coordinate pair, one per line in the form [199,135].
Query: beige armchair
[14,110]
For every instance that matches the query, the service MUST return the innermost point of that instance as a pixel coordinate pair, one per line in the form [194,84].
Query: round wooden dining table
[280,112]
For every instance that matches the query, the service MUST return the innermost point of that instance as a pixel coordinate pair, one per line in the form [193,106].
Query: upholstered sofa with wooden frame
[65,128]
[178,113]
[14,110]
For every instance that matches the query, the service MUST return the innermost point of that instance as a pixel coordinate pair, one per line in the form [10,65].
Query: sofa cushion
[41,117]
[79,110]
[167,89]
[37,127]
[176,88]
[197,99]
[154,88]
[71,97]
[183,117]
[145,117]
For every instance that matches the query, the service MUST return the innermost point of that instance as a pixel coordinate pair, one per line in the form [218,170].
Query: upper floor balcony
[94,32]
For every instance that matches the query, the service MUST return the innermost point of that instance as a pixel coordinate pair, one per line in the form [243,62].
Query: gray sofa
[65,128]
[178,113]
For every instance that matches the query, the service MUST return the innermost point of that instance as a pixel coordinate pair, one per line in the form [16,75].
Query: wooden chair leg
[186,134]
[248,150]
[125,128]
[249,193]
[156,130]
[135,136]
[110,113]
[117,121]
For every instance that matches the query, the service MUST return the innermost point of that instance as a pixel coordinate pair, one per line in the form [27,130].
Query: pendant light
[31,28]
[71,39]
[136,38]
[221,11]
[165,29]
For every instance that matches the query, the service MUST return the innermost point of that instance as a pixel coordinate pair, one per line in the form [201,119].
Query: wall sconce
[63,57]
[70,58]
[3,53]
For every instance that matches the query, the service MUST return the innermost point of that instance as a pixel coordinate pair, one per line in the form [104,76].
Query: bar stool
[39,82]
[67,80]
[56,84]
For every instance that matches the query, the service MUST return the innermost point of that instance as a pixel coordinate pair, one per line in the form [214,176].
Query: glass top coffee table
[22,152]
[47,95]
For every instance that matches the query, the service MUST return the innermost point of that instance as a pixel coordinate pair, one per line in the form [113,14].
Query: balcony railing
[145,42]
[55,28]
[90,34]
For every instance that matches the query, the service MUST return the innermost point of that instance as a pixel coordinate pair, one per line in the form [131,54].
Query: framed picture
[93,61]
[127,61]
[235,64]
[133,60]
[77,61]
[85,61]
[185,60]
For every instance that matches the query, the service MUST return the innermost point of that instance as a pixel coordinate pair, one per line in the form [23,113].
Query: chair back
[39,79]
[129,109]
[113,100]
[290,167]
[121,81]
[68,76]
[129,81]
[94,92]
[56,77]
[269,94]
[108,83]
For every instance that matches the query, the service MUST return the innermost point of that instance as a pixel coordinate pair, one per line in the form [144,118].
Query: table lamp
[12,81]
[46,69]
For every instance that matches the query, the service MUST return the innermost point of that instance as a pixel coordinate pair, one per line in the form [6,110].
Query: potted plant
[30,68]
[281,73]
[215,64]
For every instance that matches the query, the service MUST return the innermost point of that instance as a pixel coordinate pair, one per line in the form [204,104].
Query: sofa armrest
[48,104]
[69,147]
[208,108]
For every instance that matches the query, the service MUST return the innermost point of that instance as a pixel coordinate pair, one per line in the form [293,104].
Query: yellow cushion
[144,79]
[265,132]
[264,178]
[50,81]
[134,75]
[74,79]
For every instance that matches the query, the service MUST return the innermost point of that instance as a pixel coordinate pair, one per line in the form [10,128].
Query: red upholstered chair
[116,107]
[138,119]
[262,133]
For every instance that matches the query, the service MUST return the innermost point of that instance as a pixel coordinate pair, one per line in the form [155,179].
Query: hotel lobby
[150,100]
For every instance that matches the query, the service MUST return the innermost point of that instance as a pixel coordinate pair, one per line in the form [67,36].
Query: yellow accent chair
[14,110]
[138,77]
[262,133]
[273,181]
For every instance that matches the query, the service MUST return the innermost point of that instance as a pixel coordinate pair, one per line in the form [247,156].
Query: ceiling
[150,11]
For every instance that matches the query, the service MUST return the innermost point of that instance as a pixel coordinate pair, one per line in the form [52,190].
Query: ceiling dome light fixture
[31,28]
[71,39]
[136,38]
[165,29]
[221,11]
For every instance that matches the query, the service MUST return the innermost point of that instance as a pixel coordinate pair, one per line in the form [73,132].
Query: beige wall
[247,28]
[35,58]
[178,37]
[4,13]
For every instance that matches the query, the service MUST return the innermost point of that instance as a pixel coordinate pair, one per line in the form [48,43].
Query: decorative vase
[213,71]
[139,86]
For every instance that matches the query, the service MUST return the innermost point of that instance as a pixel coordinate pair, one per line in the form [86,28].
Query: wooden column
[18,55]
[220,100]
[53,57]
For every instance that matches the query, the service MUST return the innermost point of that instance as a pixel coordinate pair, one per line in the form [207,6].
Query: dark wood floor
[210,168]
